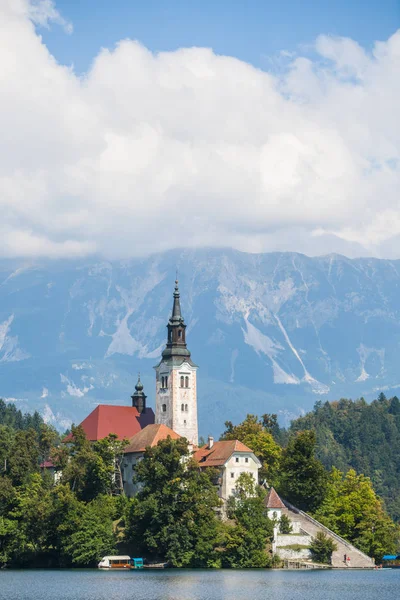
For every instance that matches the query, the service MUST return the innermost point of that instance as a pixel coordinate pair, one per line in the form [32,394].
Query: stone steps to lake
[305,529]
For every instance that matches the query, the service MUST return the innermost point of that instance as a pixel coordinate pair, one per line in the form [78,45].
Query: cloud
[188,148]
[44,12]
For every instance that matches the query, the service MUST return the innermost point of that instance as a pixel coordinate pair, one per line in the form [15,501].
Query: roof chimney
[210,441]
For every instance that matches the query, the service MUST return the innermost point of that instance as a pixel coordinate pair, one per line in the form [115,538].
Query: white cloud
[44,12]
[187,148]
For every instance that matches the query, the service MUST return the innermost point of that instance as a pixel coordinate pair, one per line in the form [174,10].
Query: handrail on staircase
[332,533]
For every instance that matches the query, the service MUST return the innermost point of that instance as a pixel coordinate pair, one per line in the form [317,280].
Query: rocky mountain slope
[270,332]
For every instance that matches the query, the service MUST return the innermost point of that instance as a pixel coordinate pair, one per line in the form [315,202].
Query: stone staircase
[345,550]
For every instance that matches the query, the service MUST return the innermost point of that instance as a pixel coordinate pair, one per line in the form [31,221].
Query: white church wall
[175,397]
[236,465]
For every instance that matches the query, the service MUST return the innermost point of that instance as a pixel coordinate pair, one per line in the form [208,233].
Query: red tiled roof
[150,436]
[47,464]
[219,453]
[273,500]
[124,421]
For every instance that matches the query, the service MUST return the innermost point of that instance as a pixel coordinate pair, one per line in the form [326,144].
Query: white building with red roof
[231,458]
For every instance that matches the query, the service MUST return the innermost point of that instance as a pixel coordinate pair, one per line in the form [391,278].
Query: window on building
[166,381]
[180,334]
[182,380]
[186,407]
[182,407]
[237,459]
[187,382]
[164,408]
[232,475]
[162,382]
[184,422]
[246,459]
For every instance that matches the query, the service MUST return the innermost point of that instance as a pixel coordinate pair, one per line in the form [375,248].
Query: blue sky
[252,30]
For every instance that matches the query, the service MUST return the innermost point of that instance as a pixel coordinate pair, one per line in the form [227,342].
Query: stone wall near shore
[290,539]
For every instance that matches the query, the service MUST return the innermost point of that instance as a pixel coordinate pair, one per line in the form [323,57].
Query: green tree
[23,459]
[173,516]
[6,443]
[302,478]
[285,525]
[94,535]
[246,542]
[90,469]
[322,548]
[352,509]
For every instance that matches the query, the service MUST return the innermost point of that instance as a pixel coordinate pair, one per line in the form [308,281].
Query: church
[175,416]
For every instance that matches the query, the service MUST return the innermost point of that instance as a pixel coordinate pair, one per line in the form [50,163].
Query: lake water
[382,584]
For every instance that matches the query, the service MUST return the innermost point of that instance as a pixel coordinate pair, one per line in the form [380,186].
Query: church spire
[176,349]
[176,307]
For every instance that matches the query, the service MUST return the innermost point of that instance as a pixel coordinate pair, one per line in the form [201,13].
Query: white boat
[116,562]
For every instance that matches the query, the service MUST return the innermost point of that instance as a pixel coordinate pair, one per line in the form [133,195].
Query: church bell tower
[176,389]
[139,397]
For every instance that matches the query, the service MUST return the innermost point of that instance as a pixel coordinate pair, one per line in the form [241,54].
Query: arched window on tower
[186,381]
[166,381]
[162,382]
[186,407]
[180,334]
[164,408]
[182,381]
[182,407]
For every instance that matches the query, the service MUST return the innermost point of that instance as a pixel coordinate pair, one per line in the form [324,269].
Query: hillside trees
[361,436]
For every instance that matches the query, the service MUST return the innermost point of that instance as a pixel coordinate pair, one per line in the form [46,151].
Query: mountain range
[270,332]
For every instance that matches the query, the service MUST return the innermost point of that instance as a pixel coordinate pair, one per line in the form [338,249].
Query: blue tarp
[389,557]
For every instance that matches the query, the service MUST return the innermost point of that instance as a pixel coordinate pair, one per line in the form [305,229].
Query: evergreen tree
[302,479]
[23,458]
[322,548]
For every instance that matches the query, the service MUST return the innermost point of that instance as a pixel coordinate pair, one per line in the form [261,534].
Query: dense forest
[176,516]
[360,436]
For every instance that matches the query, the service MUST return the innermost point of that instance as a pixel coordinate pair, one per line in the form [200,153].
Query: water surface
[182,584]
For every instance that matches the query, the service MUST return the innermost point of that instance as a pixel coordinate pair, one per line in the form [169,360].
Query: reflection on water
[199,585]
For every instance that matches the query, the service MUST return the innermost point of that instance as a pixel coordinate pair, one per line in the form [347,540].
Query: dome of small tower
[139,397]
